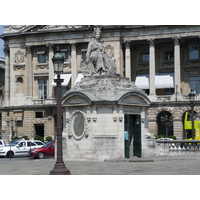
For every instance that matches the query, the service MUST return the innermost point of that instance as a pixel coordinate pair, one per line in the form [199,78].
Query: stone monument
[95,109]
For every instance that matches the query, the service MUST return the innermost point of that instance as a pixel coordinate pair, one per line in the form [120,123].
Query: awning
[66,78]
[162,80]
[142,81]
[78,79]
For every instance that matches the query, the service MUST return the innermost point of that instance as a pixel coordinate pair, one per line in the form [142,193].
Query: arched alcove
[165,124]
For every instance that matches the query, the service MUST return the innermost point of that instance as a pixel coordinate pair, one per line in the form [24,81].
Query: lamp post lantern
[59,168]
[192,95]
[165,119]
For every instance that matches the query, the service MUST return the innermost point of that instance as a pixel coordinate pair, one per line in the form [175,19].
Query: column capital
[73,46]
[151,42]
[176,40]
[6,50]
[127,44]
[50,46]
[28,49]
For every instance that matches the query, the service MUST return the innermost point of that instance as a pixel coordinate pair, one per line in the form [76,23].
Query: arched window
[19,85]
[165,124]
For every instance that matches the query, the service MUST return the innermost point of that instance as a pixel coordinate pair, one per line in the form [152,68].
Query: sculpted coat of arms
[19,57]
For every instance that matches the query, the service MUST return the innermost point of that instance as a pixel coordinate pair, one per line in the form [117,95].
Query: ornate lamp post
[59,168]
[192,95]
[165,119]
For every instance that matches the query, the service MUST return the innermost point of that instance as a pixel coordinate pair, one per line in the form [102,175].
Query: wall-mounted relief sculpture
[78,125]
[19,60]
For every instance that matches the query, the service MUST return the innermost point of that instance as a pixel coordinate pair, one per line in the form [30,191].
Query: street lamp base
[60,169]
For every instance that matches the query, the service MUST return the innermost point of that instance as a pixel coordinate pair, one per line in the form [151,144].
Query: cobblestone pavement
[134,166]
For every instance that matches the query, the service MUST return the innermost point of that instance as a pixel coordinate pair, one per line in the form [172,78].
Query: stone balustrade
[177,147]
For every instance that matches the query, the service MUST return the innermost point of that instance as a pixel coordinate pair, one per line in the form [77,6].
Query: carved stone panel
[19,60]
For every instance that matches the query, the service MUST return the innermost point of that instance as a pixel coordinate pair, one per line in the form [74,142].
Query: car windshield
[47,144]
[14,143]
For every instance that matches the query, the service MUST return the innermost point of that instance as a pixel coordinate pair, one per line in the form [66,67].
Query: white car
[19,147]
[2,143]
[167,139]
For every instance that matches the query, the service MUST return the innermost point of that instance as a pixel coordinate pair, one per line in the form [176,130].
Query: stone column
[152,75]
[7,76]
[177,71]
[73,64]
[127,60]
[29,74]
[51,72]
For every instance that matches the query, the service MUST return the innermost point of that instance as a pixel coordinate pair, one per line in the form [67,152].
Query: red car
[46,150]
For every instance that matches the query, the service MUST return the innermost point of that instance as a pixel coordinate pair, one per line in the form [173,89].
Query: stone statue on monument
[97,62]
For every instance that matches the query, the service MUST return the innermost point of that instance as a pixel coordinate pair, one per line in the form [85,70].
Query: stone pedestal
[94,116]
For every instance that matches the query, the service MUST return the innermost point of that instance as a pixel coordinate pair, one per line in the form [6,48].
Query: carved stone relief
[78,125]
[61,26]
[19,60]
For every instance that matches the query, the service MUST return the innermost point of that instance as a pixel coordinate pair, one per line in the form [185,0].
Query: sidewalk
[132,166]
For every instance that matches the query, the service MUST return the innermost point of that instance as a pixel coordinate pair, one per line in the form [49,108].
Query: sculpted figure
[95,52]
[98,62]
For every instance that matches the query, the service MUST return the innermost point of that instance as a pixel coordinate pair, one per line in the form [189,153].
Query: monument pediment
[78,98]
[134,98]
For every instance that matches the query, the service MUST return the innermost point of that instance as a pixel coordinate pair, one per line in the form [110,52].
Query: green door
[132,125]
[126,136]
[137,136]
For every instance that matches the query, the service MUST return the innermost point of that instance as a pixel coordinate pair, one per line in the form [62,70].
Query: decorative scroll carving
[50,47]
[17,26]
[28,49]
[151,42]
[176,41]
[127,44]
[6,50]
[107,84]
[62,26]
[42,66]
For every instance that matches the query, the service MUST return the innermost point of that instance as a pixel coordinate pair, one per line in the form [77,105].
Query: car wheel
[10,154]
[41,155]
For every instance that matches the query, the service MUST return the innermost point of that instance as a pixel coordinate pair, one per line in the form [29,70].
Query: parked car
[167,139]
[47,150]
[19,147]
[2,143]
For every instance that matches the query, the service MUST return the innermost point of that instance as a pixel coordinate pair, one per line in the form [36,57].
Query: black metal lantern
[192,95]
[58,61]
[167,121]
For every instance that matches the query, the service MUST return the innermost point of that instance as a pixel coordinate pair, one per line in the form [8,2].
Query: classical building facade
[163,61]
[2,85]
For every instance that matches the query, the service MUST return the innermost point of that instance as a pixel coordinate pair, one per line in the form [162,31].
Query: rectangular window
[84,52]
[42,57]
[168,52]
[42,83]
[65,54]
[144,52]
[194,82]
[38,114]
[193,52]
